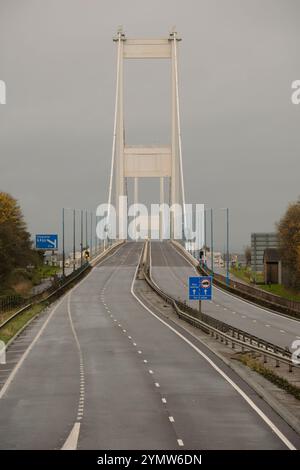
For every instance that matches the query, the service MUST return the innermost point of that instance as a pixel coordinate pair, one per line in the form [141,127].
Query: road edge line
[260,413]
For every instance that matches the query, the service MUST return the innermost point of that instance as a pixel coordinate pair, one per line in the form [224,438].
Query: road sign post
[200,288]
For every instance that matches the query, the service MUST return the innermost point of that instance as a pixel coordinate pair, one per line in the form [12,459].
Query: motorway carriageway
[101,370]
[171,271]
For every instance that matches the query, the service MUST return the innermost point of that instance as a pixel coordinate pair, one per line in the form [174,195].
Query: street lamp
[63,242]
[212,239]
[74,237]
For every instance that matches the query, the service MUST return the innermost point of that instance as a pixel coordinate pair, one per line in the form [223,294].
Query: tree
[289,242]
[15,244]
[247,253]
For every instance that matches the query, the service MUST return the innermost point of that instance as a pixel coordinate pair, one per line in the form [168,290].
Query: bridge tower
[142,161]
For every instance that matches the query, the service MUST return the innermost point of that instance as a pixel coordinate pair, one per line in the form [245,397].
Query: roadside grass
[15,325]
[282,291]
[276,379]
[245,274]
[5,315]
[42,272]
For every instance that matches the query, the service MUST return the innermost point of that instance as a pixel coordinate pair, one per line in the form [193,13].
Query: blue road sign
[200,288]
[46,241]
[194,288]
[205,287]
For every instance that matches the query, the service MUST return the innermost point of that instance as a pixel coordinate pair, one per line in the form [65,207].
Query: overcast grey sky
[240,131]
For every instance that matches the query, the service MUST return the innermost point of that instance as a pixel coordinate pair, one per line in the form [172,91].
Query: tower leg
[162,198]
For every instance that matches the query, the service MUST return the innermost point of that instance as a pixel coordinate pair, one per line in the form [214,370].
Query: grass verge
[15,325]
[282,383]
[282,291]
[245,274]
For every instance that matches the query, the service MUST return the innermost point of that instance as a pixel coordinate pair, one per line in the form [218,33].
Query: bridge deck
[121,401]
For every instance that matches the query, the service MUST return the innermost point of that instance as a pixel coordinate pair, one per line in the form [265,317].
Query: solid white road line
[263,416]
[38,335]
[20,362]
[71,442]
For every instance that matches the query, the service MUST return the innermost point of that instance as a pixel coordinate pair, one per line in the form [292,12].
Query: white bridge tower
[147,161]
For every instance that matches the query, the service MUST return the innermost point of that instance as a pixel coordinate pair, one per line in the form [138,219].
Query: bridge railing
[248,292]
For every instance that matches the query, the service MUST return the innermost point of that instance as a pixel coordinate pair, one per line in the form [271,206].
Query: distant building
[272,266]
[259,243]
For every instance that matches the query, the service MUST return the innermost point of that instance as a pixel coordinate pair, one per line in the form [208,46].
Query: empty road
[101,371]
[171,271]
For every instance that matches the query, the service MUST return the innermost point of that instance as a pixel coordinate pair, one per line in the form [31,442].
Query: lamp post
[227,247]
[86,229]
[81,236]
[212,241]
[226,209]
[74,239]
[91,235]
[63,242]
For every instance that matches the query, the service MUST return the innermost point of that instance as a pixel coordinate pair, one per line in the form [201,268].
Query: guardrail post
[265,359]
[232,345]
[277,363]
[290,368]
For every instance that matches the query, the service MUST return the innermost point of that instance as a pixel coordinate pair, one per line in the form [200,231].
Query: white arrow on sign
[53,243]
[194,291]
[205,290]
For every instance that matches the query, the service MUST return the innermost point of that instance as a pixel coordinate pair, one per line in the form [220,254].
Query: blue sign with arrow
[46,241]
[200,288]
